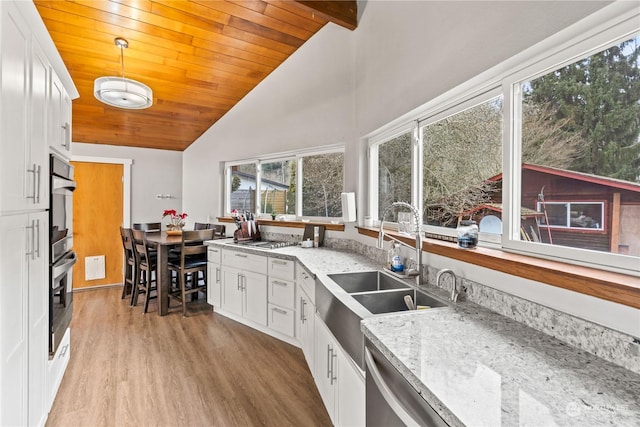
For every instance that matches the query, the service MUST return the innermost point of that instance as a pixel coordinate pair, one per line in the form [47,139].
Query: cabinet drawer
[214,254]
[57,366]
[308,283]
[245,261]
[282,268]
[282,293]
[282,320]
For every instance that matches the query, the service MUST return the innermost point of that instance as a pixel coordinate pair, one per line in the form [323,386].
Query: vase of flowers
[176,221]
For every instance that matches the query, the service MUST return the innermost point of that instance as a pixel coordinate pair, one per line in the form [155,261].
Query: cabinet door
[59,118]
[350,405]
[232,295]
[305,325]
[255,297]
[14,98]
[38,318]
[326,367]
[214,284]
[38,177]
[15,246]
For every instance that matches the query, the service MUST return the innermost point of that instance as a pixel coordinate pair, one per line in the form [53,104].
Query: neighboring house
[272,193]
[575,209]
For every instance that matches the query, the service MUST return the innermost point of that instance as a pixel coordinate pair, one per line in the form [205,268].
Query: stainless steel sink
[394,301]
[367,281]
[369,293]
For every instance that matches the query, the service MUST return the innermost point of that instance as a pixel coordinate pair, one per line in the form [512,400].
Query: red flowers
[177,220]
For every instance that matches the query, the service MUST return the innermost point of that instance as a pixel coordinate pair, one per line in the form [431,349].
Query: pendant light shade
[122,92]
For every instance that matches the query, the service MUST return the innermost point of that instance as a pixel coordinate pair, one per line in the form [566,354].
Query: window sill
[290,224]
[616,287]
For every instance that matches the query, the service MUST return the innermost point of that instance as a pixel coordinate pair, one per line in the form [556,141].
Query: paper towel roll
[348,207]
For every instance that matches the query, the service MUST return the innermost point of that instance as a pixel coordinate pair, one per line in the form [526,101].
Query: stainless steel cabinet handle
[63,351]
[277,282]
[66,142]
[241,255]
[31,251]
[328,360]
[302,310]
[239,286]
[37,198]
[35,183]
[36,233]
[304,275]
[277,261]
[217,274]
[278,310]
[334,357]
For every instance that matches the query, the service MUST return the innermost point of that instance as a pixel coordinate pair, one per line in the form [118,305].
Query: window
[318,173]
[545,147]
[394,173]
[460,154]
[580,216]
[278,187]
[322,185]
[243,187]
[579,140]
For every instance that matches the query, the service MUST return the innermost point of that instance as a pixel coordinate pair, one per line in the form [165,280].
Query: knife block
[242,234]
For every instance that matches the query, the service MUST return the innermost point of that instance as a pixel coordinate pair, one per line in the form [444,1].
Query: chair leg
[135,283]
[183,285]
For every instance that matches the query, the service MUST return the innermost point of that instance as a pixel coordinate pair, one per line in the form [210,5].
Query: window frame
[611,24]
[297,156]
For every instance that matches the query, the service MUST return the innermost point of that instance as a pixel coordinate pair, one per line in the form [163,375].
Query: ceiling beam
[340,12]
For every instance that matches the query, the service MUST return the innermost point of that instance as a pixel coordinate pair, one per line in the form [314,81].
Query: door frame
[126,184]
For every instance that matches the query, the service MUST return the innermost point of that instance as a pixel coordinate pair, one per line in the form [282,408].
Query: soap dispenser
[394,259]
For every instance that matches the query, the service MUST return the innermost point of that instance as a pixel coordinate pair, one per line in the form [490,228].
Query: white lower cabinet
[24,319]
[244,294]
[57,365]
[214,276]
[305,322]
[340,383]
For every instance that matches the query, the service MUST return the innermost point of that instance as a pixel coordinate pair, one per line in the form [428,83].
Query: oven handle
[62,186]
[64,265]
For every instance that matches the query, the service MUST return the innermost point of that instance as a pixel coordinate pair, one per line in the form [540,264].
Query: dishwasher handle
[394,404]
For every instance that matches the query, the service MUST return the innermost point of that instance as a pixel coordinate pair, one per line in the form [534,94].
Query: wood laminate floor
[130,369]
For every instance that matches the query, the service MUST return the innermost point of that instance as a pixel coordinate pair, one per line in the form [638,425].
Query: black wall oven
[62,256]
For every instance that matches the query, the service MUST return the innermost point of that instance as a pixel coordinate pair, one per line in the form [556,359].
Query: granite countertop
[477,368]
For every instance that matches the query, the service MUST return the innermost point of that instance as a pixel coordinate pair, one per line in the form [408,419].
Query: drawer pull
[277,282]
[278,261]
[278,310]
[241,255]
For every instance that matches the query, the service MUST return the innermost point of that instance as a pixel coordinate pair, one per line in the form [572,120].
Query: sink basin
[367,281]
[393,301]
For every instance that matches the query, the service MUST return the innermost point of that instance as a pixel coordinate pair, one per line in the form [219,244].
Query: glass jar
[467,234]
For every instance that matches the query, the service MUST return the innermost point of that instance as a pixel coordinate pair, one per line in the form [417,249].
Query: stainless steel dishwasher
[391,400]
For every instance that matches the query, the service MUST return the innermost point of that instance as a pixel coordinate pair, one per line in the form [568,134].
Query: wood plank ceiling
[200,57]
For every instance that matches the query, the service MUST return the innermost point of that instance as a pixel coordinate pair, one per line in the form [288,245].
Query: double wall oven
[62,256]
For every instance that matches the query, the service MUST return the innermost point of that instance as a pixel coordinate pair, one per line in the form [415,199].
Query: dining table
[163,243]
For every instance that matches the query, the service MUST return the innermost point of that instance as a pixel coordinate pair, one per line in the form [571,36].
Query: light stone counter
[477,368]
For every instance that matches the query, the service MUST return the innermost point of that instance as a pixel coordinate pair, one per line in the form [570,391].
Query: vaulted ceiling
[200,57]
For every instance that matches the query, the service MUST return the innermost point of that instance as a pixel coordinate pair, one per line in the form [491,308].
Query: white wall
[152,172]
[342,85]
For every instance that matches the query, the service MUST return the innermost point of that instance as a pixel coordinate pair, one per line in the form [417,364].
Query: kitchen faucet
[416,218]
[455,293]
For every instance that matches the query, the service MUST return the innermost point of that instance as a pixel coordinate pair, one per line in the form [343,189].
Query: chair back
[192,244]
[147,226]
[127,242]
[219,231]
[141,249]
[201,226]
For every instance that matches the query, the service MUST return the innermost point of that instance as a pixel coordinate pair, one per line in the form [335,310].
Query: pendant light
[122,92]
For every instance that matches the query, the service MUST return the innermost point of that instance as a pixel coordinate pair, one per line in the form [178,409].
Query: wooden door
[97,217]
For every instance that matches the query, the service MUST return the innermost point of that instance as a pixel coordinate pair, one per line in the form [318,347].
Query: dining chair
[130,268]
[147,226]
[202,226]
[146,280]
[192,260]
[220,231]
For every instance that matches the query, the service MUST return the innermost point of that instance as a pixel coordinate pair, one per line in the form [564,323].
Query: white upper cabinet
[59,118]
